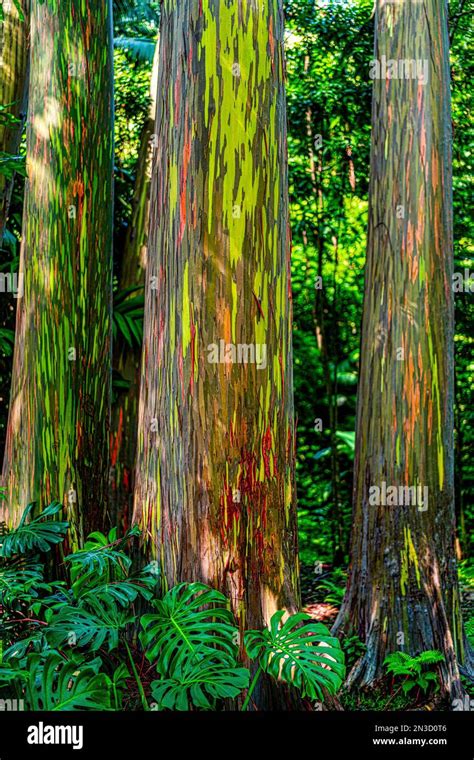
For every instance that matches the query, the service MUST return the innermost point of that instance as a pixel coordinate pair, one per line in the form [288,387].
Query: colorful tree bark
[13,89]
[402,592]
[215,491]
[127,361]
[57,438]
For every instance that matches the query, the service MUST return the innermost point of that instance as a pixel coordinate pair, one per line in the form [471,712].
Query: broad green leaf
[306,656]
[40,534]
[199,683]
[58,684]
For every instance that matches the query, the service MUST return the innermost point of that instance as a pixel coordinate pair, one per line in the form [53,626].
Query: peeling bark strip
[57,437]
[403,591]
[13,89]
[215,490]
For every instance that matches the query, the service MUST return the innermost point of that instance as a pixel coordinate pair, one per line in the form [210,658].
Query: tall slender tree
[403,592]
[127,360]
[215,490]
[13,90]
[57,437]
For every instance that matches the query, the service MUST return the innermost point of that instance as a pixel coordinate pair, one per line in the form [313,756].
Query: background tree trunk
[13,90]
[57,438]
[403,592]
[215,491]
[127,361]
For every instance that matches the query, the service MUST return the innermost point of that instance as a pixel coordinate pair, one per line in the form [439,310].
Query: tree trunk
[127,361]
[58,428]
[215,491]
[403,592]
[13,90]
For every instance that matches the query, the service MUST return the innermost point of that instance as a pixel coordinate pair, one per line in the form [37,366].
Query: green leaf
[9,674]
[7,341]
[8,120]
[10,164]
[140,49]
[190,623]
[121,592]
[20,582]
[119,684]
[322,453]
[336,593]
[199,683]
[19,9]
[100,557]
[123,327]
[93,626]
[59,684]
[430,657]
[40,534]
[348,438]
[403,664]
[305,656]
[19,649]
[123,294]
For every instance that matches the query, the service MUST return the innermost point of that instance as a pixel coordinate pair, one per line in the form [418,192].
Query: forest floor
[319,601]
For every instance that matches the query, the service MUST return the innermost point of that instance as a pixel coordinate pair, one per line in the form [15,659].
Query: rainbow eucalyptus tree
[13,91]
[403,592]
[127,359]
[215,491]
[58,427]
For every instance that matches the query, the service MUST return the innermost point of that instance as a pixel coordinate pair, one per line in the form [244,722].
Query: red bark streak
[266,449]
[116,441]
[183,182]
